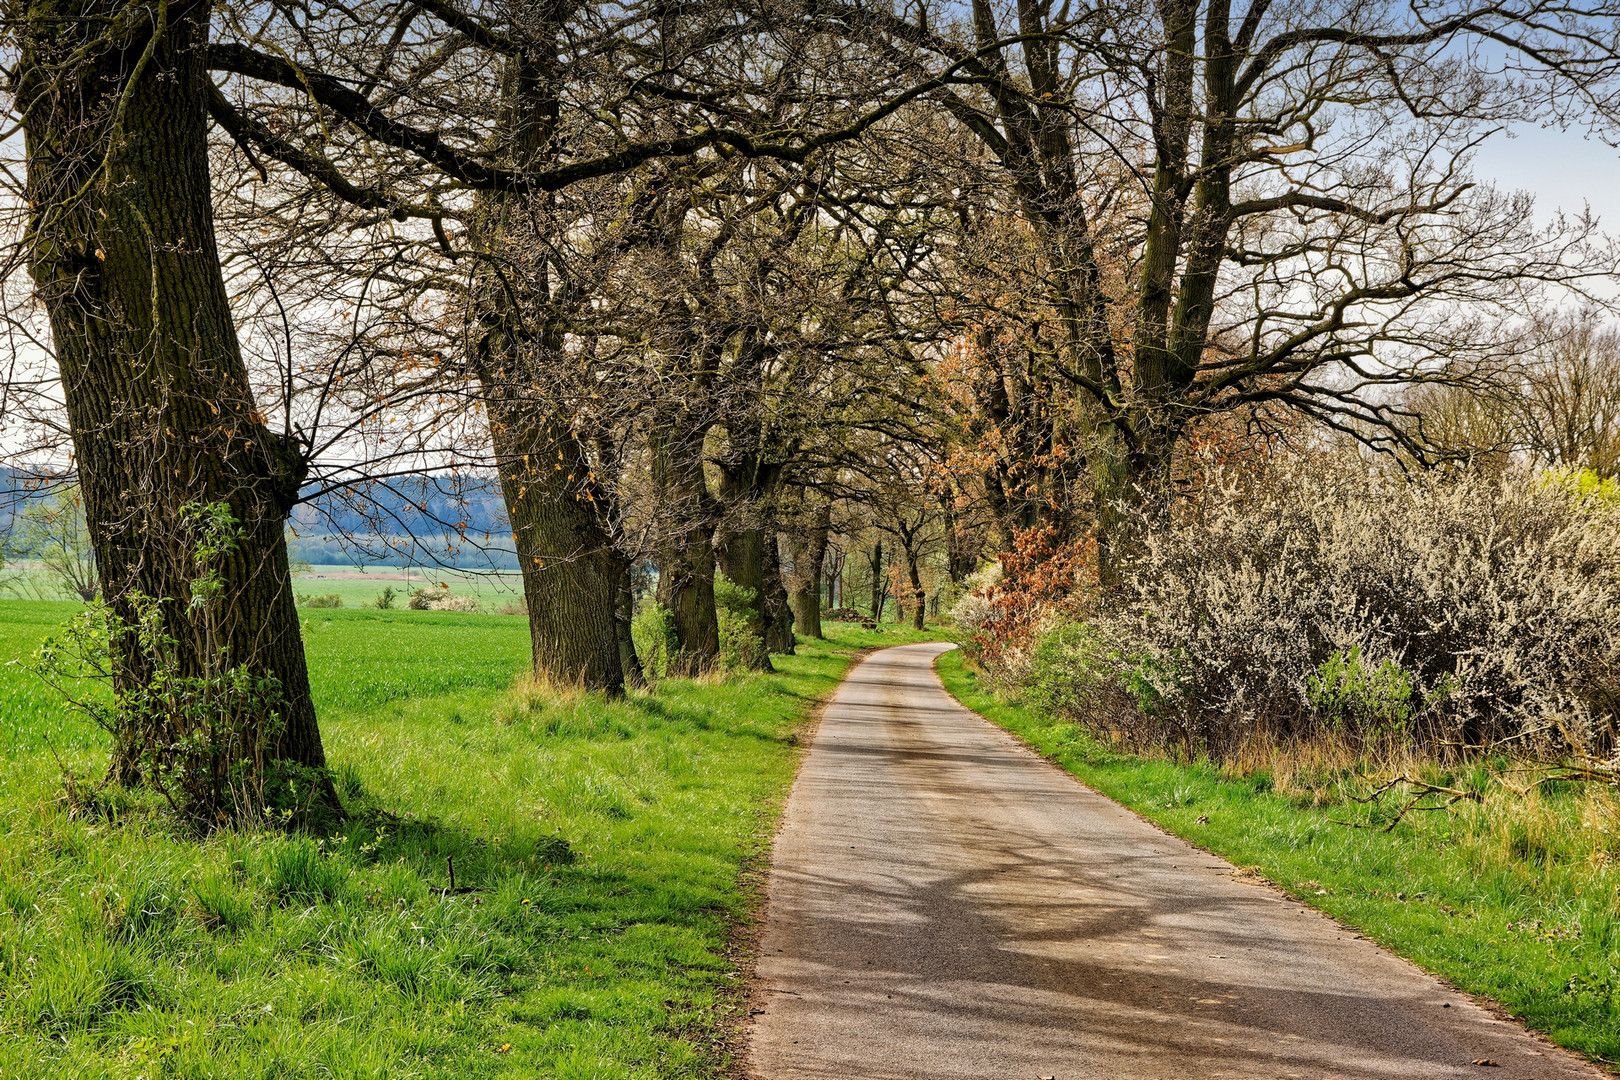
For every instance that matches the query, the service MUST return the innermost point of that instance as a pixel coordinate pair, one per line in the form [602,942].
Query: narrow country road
[944,904]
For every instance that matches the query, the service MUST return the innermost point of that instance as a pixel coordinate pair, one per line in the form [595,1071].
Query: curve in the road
[944,904]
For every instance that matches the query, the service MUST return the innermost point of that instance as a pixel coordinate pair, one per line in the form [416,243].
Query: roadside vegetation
[600,849]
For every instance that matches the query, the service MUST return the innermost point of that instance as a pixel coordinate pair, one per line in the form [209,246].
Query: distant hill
[426,519]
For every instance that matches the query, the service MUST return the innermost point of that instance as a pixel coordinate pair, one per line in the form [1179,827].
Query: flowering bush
[1322,596]
[440,598]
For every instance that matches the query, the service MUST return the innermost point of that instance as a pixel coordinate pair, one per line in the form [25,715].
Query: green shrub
[386,599]
[310,600]
[1590,490]
[1350,694]
[653,631]
[741,647]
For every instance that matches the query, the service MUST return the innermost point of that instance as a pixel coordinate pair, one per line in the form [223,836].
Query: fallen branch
[1424,790]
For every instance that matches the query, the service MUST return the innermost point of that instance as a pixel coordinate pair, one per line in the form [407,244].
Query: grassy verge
[598,847]
[1513,897]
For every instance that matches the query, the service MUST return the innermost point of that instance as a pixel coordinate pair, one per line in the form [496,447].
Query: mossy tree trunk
[124,258]
[686,556]
[775,603]
[747,485]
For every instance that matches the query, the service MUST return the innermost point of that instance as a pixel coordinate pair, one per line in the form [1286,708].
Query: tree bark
[880,587]
[686,556]
[918,597]
[809,552]
[571,568]
[777,607]
[623,621]
[746,485]
[124,258]
[961,549]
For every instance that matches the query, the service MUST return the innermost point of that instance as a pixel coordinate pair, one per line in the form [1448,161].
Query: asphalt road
[944,904]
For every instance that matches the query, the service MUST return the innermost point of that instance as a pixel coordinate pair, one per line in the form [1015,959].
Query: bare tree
[52,529]
[1564,397]
[1304,227]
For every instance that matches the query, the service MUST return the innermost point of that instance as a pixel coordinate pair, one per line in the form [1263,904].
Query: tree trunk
[571,568]
[746,486]
[161,413]
[686,557]
[961,550]
[880,588]
[776,604]
[686,589]
[742,560]
[623,620]
[918,597]
[809,552]
[1129,491]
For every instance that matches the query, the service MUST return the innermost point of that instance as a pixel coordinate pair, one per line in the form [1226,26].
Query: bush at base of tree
[199,727]
[740,646]
[653,631]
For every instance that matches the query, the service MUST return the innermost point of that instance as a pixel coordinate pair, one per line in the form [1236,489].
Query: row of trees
[685,278]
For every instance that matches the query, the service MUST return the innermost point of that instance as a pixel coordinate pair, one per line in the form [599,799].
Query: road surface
[944,904]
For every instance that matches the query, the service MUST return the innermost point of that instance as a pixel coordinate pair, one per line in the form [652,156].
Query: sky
[1565,170]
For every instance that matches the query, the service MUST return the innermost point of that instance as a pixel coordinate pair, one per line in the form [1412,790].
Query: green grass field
[1516,897]
[600,849]
[354,589]
[360,590]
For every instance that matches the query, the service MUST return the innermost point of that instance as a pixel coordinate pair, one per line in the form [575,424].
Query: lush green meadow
[1515,897]
[353,588]
[600,851]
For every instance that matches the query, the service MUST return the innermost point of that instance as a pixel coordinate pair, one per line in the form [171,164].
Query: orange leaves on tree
[1041,578]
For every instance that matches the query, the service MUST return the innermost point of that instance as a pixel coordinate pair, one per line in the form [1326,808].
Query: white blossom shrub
[434,598]
[1326,597]
[973,606]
